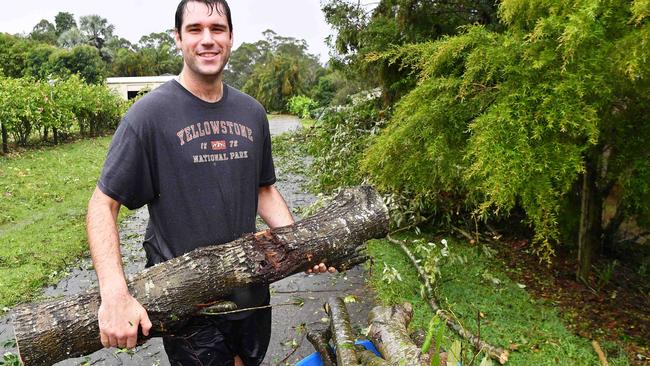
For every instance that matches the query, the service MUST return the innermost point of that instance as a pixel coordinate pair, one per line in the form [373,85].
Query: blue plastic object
[314,358]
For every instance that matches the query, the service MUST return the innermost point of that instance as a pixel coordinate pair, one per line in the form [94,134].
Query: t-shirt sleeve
[267,176]
[126,176]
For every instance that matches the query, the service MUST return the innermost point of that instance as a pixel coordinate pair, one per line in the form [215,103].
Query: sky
[132,19]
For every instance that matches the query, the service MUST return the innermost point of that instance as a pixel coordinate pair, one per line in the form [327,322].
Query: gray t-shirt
[197,165]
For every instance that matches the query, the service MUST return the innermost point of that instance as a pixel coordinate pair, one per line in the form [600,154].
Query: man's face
[205,40]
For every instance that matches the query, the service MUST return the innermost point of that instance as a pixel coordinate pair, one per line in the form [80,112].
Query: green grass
[511,316]
[42,214]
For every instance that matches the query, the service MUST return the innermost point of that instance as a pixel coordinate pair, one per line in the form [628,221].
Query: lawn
[42,214]
[473,285]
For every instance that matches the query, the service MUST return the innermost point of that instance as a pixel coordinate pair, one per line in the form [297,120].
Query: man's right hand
[119,319]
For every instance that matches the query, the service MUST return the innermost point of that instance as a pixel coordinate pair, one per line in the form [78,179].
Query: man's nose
[206,36]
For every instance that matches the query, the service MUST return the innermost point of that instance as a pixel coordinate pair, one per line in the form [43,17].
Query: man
[198,153]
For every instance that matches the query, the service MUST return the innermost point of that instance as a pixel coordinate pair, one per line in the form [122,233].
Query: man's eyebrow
[201,24]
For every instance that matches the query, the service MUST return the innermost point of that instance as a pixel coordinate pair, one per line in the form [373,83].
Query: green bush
[513,120]
[301,106]
[31,107]
[341,135]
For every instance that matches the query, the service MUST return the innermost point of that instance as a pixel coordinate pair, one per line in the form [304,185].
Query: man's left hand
[321,268]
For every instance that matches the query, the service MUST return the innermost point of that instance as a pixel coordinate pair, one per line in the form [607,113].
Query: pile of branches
[388,333]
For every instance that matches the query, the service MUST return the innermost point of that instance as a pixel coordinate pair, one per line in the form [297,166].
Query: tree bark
[55,135]
[342,335]
[389,334]
[173,291]
[5,139]
[368,358]
[590,234]
[319,338]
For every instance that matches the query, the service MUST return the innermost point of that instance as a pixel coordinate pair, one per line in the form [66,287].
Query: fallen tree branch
[173,290]
[319,338]
[601,354]
[497,353]
[342,335]
[388,331]
[368,358]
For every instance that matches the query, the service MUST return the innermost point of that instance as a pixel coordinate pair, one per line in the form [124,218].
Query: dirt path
[288,343]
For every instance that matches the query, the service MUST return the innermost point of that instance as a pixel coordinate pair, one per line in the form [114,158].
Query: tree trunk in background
[55,135]
[175,290]
[590,235]
[5,142]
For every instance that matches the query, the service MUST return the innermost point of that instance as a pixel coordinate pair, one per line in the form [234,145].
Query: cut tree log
[173,291]
[388,331]
[342,335]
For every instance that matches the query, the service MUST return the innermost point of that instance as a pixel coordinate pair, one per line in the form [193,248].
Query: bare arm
[119,314]
[272,208]
[274,211]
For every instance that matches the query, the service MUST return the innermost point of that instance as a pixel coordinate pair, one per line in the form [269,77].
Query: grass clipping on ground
[471,284]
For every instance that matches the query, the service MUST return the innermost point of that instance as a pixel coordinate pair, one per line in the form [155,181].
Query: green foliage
[30,106]
[10,359]
[510,315]
[45,32]
[83,60]
[274,70]
[505,120]
[361,33]
[341,134]
[24,57]
[155,54]
[301,106]
[64,21]
[243,61]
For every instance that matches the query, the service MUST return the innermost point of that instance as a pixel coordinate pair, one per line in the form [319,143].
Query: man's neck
[209,90]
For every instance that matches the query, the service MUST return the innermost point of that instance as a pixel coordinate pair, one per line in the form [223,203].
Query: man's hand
[119,318]
[321,268]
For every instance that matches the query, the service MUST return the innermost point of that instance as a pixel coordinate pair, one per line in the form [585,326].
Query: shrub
[301,106]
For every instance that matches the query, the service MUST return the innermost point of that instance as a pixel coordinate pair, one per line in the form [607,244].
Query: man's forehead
[196,9]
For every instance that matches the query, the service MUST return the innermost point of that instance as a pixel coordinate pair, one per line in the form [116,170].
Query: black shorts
[215,340]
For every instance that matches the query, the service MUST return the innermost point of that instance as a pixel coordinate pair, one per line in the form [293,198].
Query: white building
[128,87]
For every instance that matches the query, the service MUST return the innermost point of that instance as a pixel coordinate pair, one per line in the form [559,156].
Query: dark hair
[213,5]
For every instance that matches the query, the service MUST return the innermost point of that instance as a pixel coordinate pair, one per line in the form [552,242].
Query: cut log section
[172,291]
[388,332]
[341,330]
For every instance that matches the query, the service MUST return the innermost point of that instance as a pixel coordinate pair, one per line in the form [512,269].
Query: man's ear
[177,39]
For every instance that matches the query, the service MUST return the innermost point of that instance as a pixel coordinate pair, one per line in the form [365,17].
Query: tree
[44,31]
[359,33]
[83,60]
[97,31]
[37,62]
[13,54]
[278,69]
[64,21]
[242,62]
[160,53]
[155,54]
[71,38]
[553,107]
